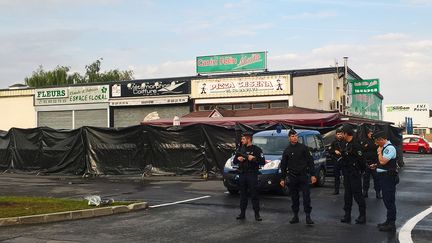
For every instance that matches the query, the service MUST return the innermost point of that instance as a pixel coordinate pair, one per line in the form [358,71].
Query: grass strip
[25,206]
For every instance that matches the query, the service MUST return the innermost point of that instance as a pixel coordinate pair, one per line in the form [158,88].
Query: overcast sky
[389,40]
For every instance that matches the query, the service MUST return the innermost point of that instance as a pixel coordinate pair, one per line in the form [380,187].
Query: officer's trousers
[353,189]
[366,180]
[296,184]
[249,182]
[337,174]
[388,187]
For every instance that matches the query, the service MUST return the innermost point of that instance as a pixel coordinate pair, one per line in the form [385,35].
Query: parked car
[415,143]
[273,143]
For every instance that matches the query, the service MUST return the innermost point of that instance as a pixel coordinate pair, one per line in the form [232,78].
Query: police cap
[379,134]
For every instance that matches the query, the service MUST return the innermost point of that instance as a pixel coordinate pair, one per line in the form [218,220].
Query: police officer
[352,167]
[248,157]
[388,178]
[371,159]
[298,163]
[335,151]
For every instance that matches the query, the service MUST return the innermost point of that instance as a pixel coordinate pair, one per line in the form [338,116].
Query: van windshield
[271,145]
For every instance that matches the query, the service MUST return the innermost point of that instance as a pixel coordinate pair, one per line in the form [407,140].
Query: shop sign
[232,62]
[366,106]
[149,88]
[397,108]
[148,101]
[72,95]
[366,86]
[407,108]
[241,86]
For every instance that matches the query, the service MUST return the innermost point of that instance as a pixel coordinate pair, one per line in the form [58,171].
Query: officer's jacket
[352,157]
[249,166]
[369,151]
[297,159]
[336,145]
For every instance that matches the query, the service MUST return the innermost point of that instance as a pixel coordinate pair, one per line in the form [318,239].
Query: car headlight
[274,164]
[228,164]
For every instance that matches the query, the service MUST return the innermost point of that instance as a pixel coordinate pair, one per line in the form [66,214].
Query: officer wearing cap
[248,157]
[388,178]
[335,151]
[371,159]
[298,163]
[352,167]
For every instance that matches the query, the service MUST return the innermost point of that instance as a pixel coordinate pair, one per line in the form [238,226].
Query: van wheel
[233,192]
[321,178]
[422,150]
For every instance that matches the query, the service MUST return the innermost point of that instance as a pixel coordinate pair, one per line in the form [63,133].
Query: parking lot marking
[178,202]
[405,232]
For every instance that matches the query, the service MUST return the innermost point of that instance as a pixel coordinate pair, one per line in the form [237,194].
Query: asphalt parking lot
[190,210]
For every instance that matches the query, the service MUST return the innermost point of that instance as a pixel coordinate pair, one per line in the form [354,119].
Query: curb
[72,215]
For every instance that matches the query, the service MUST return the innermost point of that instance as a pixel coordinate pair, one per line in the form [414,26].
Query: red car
[416,144]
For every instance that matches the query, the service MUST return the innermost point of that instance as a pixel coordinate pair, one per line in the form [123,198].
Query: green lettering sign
[232,62]
[366,86]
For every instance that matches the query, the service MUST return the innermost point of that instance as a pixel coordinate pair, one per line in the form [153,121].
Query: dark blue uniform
[388,178]
[298,163]
[248,177]
[336,159]
[370,157]
[352,168]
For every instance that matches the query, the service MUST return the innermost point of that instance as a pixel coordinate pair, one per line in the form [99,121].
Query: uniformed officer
[298,163]
[248,157]
[388,177]
[352,167]
[335,151]
[371,159]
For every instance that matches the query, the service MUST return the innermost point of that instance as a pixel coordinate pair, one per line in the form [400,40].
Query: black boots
[361,219]
[336,192]
[379,195]
[387,227]
[257,216]
[242,215]
[346,219]
[308,219]
[295,219]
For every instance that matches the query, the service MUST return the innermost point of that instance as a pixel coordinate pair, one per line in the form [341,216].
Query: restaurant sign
[241,86]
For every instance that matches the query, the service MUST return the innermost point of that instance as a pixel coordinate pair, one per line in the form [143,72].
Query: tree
[61,76]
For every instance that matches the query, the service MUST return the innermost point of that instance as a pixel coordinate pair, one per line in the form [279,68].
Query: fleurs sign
[241,86]
[72,95]
[231,62]
[150,88]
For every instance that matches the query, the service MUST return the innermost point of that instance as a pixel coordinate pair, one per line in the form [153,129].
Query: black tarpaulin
[192,149]
[5,155]
[116,151]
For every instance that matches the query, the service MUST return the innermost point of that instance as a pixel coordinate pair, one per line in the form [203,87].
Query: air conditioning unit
[333,105]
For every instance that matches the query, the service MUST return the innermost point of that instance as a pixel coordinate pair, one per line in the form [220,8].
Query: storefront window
[243,106]
[225,107]
[282,104]
[205,107]
[260,106]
